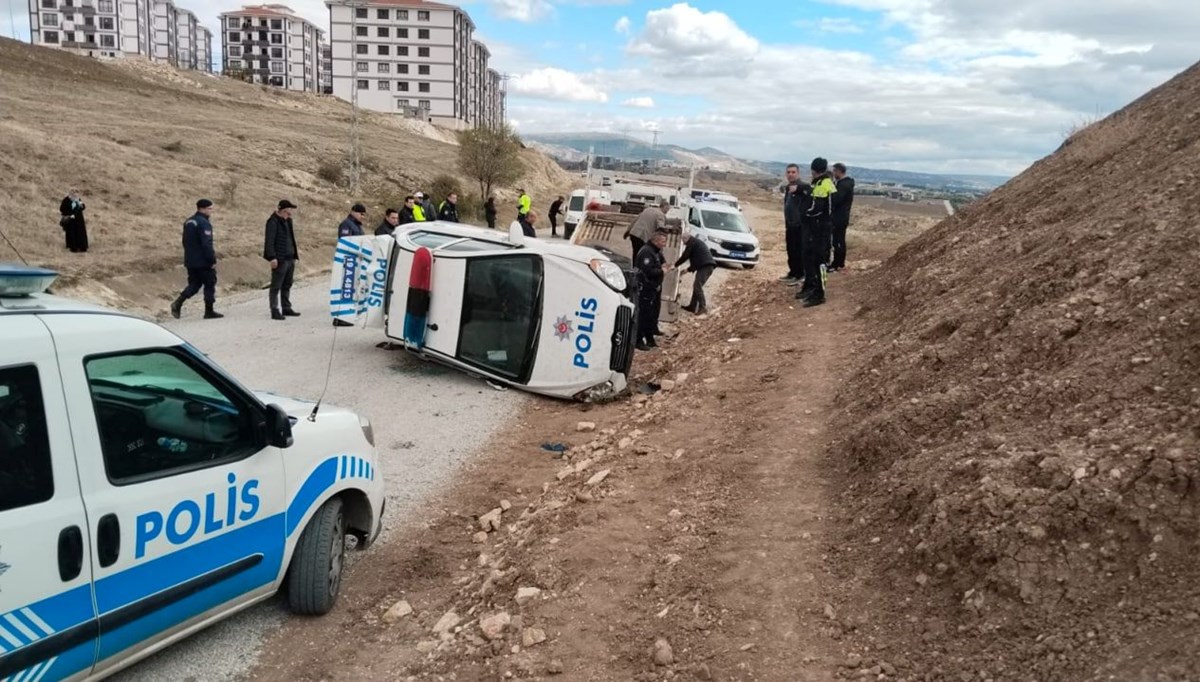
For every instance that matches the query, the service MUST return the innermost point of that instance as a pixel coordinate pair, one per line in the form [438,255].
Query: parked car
[146,494]
[726,231]
[544,316]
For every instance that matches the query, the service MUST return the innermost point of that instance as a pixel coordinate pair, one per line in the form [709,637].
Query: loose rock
[426,646]
[555,667]
[505,505]
[662,654]
[399,610]
[527,594]
[491,520]
[532,636]
[585,427]
[493,626]
[446,622]
[598,477]
[479,537]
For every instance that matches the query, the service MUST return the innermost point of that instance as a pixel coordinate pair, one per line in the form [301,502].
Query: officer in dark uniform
[651,266]
[702,264]
[352,226]
[200,260]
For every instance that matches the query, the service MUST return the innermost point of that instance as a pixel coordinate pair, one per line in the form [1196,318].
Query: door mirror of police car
[279,427]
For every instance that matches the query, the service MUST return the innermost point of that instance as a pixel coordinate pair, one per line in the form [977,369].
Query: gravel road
[428,420]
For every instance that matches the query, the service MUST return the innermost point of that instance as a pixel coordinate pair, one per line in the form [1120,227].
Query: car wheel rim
[337,551]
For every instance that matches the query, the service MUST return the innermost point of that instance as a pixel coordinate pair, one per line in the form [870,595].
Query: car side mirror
[279,427]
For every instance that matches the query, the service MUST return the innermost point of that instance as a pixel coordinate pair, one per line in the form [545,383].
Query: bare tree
[491,157]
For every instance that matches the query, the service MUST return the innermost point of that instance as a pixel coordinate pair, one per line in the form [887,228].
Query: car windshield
[501,314]
[576,204]
[728,222]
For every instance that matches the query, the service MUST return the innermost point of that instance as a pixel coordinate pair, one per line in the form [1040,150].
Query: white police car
[145,494]
[726,232]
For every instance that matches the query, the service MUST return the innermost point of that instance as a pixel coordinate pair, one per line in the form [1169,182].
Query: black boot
[210,314]
[177,307]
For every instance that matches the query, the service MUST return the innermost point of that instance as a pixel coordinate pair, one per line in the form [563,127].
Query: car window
[694,217]
[431,239]
[26,472]
[501,314]
[159,414]
[729,222]
[576,204]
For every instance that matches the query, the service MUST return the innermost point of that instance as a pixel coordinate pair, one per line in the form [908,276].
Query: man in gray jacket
[651,219]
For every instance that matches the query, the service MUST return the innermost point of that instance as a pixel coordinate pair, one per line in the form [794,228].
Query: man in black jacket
[817,228]
[796,198]
[702,264]
[279,249]
[200,259]
[391,218]
[842,201]
[555,212]
[651,267]
[448,211]
[352,226]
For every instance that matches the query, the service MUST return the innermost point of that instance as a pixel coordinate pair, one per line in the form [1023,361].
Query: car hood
[296,407]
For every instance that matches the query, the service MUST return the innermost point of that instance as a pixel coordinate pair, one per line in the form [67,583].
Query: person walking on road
[73,223]
[701,264]
[391,218]
[280,250]
[843,200]
[555,212]
[650,220]
[200,259]
[818,228]
[651,267]
[489,212]
[352,226]
[524,203]
[449,209]
[796,196]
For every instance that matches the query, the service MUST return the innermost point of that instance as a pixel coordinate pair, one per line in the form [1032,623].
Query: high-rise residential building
[117,28]
[272,45]
[411,57]
[326,69]
[204,50]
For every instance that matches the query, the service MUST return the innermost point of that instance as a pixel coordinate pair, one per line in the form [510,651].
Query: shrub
[331,171]
[173,147]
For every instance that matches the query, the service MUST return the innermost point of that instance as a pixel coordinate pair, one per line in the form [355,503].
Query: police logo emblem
[563,328]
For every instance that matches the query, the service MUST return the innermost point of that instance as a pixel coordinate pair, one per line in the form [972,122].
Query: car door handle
[70,553]
[108,540]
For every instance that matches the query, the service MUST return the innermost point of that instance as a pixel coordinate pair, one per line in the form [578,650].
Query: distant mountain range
[574,147]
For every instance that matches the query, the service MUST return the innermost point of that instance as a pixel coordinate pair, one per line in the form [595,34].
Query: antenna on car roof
[328,371]
[13,247]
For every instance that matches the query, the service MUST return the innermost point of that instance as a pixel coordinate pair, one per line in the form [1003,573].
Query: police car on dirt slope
[145,494]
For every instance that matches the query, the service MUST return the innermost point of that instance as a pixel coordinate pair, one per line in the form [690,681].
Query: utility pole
[355,146]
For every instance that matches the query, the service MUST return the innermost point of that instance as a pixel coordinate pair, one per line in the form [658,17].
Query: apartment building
[410,57]
[272,45]
[204,51]
[326,69]
[117,28]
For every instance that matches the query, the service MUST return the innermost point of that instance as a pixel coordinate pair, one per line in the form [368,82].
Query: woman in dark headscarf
[73,223]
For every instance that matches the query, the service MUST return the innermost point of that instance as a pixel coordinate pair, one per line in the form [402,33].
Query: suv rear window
[26,471]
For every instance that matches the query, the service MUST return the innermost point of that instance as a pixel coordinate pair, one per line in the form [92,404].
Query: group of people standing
[816,215]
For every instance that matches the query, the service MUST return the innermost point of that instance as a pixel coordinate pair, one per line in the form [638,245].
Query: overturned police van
[545,317]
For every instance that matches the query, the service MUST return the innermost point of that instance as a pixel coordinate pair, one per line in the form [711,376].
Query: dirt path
[695,516]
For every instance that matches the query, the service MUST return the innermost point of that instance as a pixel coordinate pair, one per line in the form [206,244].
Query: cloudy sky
[973,86]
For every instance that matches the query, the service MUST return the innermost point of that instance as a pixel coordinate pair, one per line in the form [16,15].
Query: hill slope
[1023,443]
[143,142]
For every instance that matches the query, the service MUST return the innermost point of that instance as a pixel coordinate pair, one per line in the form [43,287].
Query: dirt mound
[144,141]
[1023,441]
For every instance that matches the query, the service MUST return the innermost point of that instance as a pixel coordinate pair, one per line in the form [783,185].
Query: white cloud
[696,42]
[556,84]
[639,102]
[622,26]
[831,25]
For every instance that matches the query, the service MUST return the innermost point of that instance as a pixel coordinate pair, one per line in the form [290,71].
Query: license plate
[738,254]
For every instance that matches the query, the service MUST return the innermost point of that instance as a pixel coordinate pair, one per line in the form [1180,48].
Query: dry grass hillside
[142,142]
[1022,447]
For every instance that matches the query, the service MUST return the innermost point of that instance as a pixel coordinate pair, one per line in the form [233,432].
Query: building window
[361,13]
[233,22]
[422,51]
[69,37]
[402,14]
[381,14]
[361,67]
[402,33]
[277,53]
[423,69]
[49,4]
[423,104]
[402,104]
[385,85]
[402,51]
[361,31]
[235,50]
[385,50]
[235,37]
[361,49]
[108,41]
[383,32]
[402,86]
[235,63]
[107,24]
[276,38]
[384,67]
[277,24]
[49,20]
[402,68]
[276,67]
[422,87]
[106,6]
[364,85]
[422,15]
[422,34]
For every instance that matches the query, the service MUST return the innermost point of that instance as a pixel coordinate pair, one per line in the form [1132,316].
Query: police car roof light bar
[24,280]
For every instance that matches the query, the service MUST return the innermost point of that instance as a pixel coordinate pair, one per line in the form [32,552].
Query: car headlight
[367,429]
[610,273]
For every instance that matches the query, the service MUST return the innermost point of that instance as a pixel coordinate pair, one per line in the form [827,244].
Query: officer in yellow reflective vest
[818,230]
[523,205]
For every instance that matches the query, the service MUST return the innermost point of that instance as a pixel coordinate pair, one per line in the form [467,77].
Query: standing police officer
[200,259]
[818,231]
[651,267]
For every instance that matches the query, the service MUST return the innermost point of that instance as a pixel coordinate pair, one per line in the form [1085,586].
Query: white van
[726,232]
[146,494]
[543,316]
[577,207]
